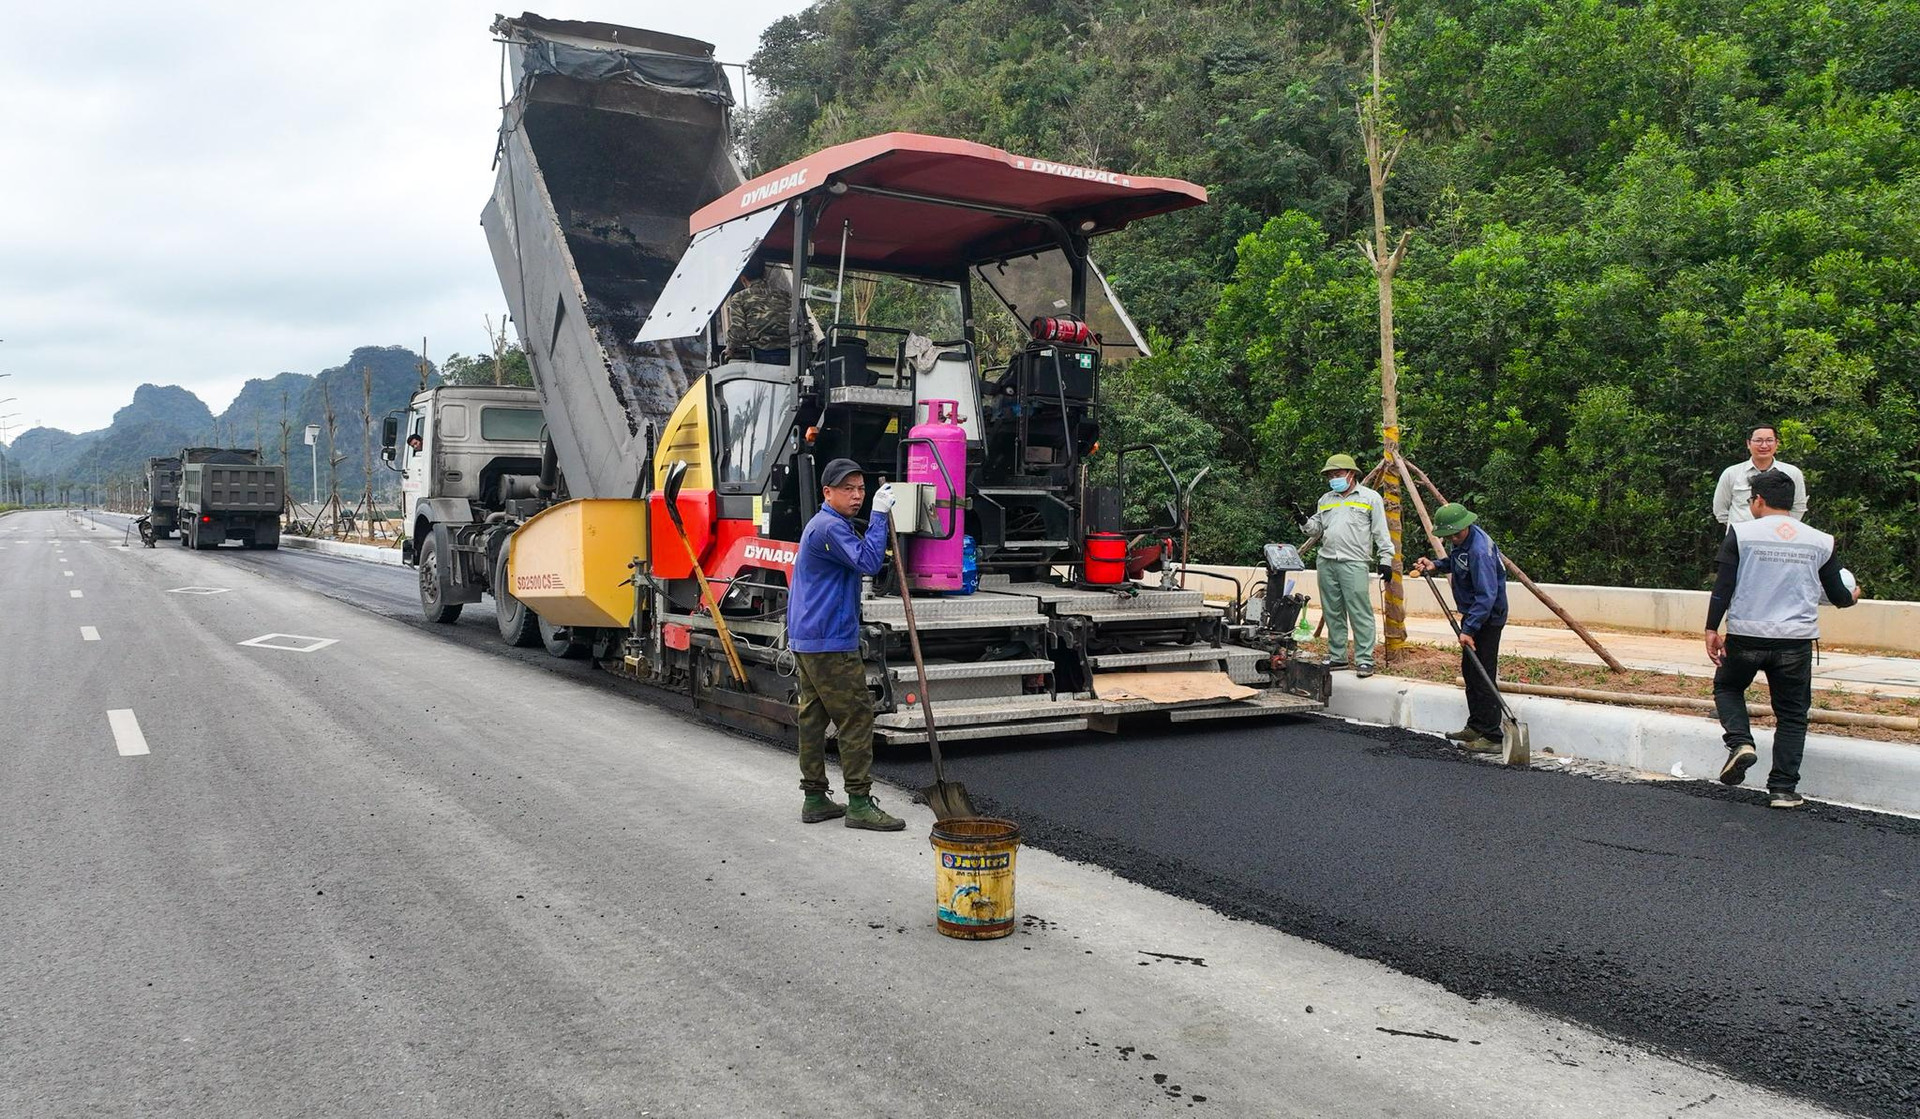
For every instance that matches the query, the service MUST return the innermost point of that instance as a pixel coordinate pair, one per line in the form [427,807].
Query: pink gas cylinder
[934,562]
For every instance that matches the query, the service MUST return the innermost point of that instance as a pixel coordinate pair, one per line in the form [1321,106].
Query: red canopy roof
[934,231]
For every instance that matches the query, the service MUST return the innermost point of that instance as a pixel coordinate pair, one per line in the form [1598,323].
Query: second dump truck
[228,494]
[163,495]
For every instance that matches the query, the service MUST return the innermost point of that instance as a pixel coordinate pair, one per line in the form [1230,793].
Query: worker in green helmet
[1351,522]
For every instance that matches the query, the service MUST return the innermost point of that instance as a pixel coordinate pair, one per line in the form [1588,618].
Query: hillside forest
[1637,229]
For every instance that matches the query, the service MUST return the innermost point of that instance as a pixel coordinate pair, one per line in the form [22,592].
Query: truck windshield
[511,425]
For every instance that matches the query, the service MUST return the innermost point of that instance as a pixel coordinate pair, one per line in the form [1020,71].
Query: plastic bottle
[969,566]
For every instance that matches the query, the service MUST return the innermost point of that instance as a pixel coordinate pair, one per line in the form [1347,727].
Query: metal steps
[980,610]
[970,670]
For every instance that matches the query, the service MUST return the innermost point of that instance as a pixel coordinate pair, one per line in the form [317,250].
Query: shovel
[1516,742]
[948,799]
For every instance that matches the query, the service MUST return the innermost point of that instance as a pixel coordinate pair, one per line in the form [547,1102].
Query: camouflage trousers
[833,689]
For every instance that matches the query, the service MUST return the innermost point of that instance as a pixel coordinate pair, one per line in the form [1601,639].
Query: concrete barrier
[1856,771]
[1890,624]
[368,553]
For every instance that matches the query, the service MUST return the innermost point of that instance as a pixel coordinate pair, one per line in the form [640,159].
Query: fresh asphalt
[1687,918]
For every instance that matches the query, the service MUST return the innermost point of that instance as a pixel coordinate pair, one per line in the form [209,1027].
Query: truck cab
[478,449]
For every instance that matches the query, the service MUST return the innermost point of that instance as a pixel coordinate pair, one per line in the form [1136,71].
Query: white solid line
[126,733]
[88,633]
[74,594]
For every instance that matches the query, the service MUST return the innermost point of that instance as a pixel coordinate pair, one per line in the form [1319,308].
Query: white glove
[883,500]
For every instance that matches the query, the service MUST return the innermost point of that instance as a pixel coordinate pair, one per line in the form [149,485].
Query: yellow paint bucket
[973,882]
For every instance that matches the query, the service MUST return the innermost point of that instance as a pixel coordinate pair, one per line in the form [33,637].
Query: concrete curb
[1856,771]
[366,553]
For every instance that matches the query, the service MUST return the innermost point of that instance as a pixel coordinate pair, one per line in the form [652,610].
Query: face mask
[1337,485]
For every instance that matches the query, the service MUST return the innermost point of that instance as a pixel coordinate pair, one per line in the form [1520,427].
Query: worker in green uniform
[759,319]
[1351,522]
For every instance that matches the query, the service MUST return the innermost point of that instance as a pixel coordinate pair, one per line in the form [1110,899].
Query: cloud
[202,193]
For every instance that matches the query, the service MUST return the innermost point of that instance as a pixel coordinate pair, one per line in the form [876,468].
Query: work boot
[1363,670]
[1465,736]
[820,806]
[1739,760]
[1785,798]
[864,812]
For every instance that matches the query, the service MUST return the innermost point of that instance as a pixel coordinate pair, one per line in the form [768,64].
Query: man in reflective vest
[1774,571]
[1351,522]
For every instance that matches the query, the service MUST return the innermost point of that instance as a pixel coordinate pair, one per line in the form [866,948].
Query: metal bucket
[973,879]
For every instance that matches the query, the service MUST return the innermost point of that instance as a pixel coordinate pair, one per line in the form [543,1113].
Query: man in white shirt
[1733,495]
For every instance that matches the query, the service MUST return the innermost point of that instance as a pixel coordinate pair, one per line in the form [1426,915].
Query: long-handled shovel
[948,799]
[1516,742]
[676,474]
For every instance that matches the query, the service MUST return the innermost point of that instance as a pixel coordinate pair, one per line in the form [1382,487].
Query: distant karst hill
[269,413]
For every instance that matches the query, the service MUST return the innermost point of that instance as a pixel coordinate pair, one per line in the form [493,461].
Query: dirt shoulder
[1441,665]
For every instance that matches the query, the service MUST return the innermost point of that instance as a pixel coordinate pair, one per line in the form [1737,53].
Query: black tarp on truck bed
[612,138]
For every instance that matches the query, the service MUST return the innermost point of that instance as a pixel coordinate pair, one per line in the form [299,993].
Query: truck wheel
[518,626]
[431,557]
[559,641]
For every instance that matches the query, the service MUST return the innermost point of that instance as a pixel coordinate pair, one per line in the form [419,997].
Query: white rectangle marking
[88,633]
[75,594]
[126,733]
[68,574]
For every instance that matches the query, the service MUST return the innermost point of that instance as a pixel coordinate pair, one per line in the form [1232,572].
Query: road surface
[403,874]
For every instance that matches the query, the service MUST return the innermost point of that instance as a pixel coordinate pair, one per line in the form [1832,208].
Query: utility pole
[1383,140]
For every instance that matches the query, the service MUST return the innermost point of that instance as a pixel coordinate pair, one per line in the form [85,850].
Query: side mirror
[389,437]
[676,477]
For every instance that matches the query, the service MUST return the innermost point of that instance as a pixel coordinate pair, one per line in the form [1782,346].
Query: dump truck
[228,494]
[1039,561]
[470,457]
[163,496]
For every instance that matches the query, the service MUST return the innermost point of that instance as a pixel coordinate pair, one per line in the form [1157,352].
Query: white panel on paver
[290,642]
[198,590]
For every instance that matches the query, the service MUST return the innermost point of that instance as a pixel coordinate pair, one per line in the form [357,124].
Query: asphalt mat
[1683,915]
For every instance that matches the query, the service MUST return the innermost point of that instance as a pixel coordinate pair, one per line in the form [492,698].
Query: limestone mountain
[270,414]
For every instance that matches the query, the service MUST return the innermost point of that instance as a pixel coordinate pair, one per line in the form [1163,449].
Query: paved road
[607,910]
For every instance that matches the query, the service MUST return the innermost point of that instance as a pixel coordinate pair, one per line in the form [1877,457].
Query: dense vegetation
[1640,227]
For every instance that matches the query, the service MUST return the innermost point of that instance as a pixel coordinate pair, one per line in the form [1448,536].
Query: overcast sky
[199,193]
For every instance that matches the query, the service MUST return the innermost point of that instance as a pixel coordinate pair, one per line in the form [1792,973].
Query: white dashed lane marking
[126,733]
[75,594]
[88,633]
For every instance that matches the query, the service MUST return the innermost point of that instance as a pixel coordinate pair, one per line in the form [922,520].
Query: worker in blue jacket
[1479,581]
[823,630]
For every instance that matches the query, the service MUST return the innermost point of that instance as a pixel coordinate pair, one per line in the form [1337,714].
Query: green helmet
[1451,518]
[1340,462]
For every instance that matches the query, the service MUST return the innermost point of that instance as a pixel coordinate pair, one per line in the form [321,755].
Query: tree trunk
[1383,142]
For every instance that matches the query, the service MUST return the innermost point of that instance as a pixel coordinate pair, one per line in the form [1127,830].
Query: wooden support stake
[1546,600]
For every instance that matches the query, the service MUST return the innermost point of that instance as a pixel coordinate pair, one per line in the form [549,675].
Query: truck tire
[559,641]
[432,556]
[518,625]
